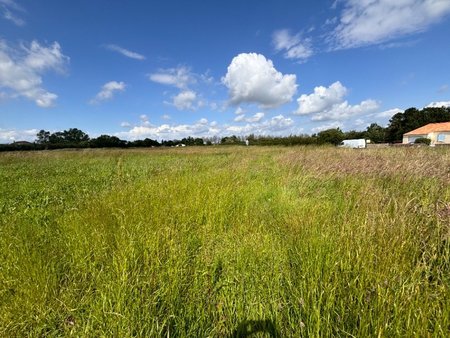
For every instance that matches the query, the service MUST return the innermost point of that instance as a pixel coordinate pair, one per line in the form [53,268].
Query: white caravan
[355,144]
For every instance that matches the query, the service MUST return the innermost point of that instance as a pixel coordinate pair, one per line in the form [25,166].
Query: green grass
[223,241]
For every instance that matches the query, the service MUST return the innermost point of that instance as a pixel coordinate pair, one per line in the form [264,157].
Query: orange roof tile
[429,128]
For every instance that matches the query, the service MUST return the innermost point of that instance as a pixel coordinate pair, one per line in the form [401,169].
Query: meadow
[225,242]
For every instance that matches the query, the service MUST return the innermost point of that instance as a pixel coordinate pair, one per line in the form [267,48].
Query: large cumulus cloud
[251,78]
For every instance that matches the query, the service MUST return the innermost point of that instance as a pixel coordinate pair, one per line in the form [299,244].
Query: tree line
[399,124]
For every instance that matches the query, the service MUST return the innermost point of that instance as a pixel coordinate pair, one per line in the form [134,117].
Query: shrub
[422,140]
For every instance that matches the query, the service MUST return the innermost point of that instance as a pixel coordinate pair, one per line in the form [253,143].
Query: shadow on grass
[249,327]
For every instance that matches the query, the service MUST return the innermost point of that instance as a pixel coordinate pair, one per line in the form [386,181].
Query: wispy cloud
[444,88]
[363,23]
[179,77]
[125,52]
[252,119]
[107,92]
[294,46]
[10,10]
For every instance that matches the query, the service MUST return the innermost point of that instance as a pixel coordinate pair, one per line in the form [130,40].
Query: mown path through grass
[221,241]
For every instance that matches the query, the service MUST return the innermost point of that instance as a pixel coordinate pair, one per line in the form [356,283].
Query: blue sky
[171,69]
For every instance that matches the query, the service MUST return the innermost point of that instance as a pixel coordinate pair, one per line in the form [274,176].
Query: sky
[174,68]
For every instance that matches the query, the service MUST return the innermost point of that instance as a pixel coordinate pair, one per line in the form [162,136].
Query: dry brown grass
[396,162]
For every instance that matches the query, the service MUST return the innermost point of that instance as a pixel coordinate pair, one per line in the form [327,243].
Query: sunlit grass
[225,241]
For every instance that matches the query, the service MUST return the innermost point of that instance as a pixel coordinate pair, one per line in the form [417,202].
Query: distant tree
[56,138]
[413,118]
[227,140]
[147,142]
[190,141]
[43,137]
[170,143]
[106,141]
[199,141]
[332,136]
[353,134]
[376,133]
[74,135]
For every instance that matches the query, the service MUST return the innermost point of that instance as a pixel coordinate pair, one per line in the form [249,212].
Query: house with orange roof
[438,133]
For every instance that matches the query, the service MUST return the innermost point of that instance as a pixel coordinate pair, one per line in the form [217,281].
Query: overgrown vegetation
[224,241]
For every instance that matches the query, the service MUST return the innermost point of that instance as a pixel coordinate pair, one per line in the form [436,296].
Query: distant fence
[377,145]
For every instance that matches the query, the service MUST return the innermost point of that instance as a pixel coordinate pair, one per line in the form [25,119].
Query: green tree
[106,141]
[43,137]
[332,136]
[353,134]
[413,118]
[231,140]
[376,133]
[74,135]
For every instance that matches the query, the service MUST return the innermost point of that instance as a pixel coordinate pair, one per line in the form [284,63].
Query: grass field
[225,241]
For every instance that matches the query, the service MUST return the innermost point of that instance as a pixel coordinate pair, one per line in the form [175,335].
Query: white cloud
[438,104]
[179,77]
[213,106]
[239,118]
[328,104]
[108,90]
[125,124]
[277,125]
[322,99]
[282,39]
[331,125]
[9,10]
[443,88]
[293,45]
[343,111]
[125,52]
[185,100]
[169,132]
[253,78]
[359,122]
[380,118]
[43,58]
[256,118]
[22,70]
[366,22]
[11,135]
[239,111]
[389,113]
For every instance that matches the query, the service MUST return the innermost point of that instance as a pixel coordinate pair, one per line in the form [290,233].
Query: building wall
[412,138]
[442,137]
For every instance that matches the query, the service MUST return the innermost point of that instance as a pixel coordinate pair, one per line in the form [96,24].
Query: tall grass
[225,242]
